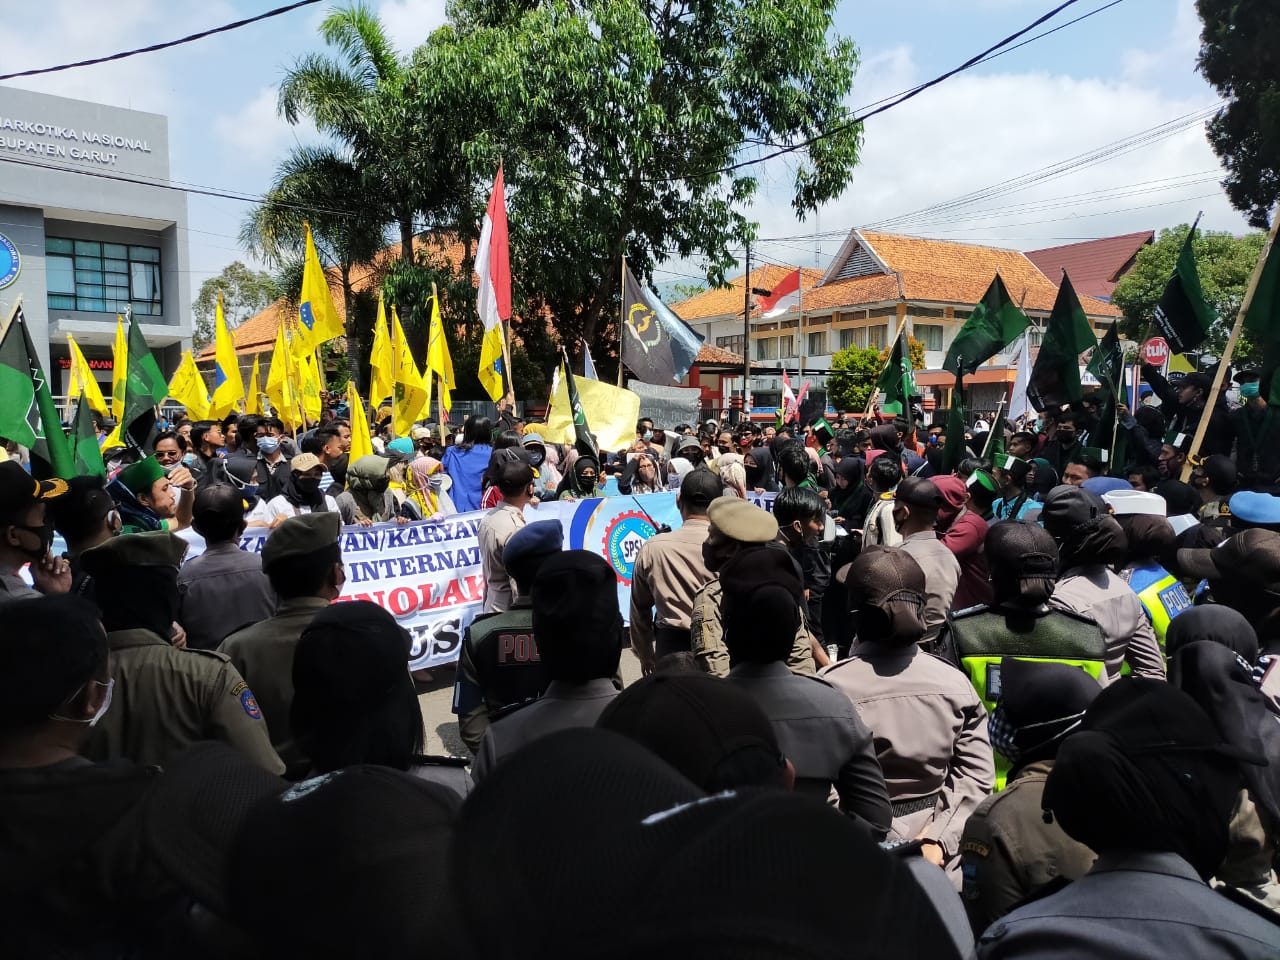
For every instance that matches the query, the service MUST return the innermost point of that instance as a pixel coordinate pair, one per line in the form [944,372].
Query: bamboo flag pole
[991,435]
[290,333]
[440,396]
[622,313]
[1218,377]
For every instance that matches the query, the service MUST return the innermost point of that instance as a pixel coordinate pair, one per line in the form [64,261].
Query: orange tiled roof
[718,356]
[931,271]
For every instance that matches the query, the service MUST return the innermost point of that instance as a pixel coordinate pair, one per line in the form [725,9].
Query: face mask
[535,458]
[1003,733]
[380,486]
[102,707]
[268,445]
[1249,390]
[648,434]
[45,534]
[307,485]
[188,459]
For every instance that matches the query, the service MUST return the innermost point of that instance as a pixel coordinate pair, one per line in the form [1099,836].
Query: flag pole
[1221,373]
[992,433]
[290,333]
[440,395]
[622,312]
[17,305]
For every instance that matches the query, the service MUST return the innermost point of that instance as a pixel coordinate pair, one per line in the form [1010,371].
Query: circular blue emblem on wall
[10,261]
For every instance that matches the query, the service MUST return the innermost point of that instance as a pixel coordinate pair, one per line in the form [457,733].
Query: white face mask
[102,707]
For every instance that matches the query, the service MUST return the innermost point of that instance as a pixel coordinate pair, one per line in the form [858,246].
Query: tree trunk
[406,239]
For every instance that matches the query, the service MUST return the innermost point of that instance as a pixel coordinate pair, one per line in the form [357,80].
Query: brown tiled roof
[258,333]
[718,356]
[1094,265]
[931,271]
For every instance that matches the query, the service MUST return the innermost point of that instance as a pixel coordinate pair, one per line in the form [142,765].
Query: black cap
[19,490]
[1201,381]
[1068,507]
[1251,557]
[712,732]
[1024,546]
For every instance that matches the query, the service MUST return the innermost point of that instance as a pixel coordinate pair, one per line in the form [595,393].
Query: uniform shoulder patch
[250,703]
[976,848]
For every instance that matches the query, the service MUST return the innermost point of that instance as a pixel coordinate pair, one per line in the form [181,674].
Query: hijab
[1046,478]
[1214,623]
[367,483]
[574,483]
[732,473]
[853,470]
[758,464]
[426,481]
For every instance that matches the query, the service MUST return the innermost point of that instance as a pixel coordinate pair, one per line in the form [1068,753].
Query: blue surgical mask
[268,445]
[1249,390]
[102,708]
[188,459]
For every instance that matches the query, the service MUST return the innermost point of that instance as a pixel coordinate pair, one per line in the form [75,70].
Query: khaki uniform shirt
[667,574]
[1007,851]
[166,699]
[707,635]
[1095,592]
[263,653]
[563,707]
[497,527]
[941,577]
[930,732]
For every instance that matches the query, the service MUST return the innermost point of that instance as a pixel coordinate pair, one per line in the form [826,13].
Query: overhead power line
[124,55]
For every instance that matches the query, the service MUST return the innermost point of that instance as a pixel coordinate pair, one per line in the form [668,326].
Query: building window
[817,344]
[787,346]
[877,336]
[930,335]
[846,339]
[733,344]
[102,277]
[767,349]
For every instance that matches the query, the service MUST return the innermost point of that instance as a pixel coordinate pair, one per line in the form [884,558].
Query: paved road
[436,700]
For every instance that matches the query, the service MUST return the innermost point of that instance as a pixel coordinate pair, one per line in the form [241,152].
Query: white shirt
[280,507]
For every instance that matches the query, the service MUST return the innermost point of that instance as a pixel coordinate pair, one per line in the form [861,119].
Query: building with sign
[90,227]
[877,284]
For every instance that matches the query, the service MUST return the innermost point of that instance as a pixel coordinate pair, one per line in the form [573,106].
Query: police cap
[742,521]
[19,490]
[301,536]
[533,539]
[156,548]
[1251,508]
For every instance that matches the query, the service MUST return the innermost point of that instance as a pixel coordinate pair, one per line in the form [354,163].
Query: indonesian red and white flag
[493,299]
[785,295]
[788,397]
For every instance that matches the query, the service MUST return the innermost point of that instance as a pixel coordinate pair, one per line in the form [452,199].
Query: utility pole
[746,330]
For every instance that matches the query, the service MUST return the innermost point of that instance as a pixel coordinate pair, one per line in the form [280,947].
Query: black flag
[657,346]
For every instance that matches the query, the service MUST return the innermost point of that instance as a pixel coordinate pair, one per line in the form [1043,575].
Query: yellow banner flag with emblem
[438,360]
[311,403]
[119,368]
[412,392]
[228,385]
[382,363]
[318,320]
[82,379]
[610,411]
[282,388]
[187,387]
[361,442]
[253,398]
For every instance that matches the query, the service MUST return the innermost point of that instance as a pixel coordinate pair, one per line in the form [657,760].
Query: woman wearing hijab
[850,499]
[758,464]
[1042,478]
[368,498]
[963,532]
[1147,783]
[582,481]
[545,476]
[427,488]
[1008,850]
[733,474]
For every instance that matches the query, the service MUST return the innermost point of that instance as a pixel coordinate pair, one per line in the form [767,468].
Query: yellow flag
[438,360]
[187,387]
[412,393]
[253,399]
[318,318]
[228,385]
[281,389]
[610,411]
[119,368]
[382,363]
[311,389]
[361,442]
[82,379]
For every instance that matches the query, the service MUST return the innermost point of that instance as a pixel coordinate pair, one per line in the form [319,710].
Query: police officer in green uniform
[498,665]
[1008,851]
[303,560]
[166,698]
[1023,561]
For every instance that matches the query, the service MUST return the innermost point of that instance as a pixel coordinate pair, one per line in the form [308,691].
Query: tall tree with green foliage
[1225,264]
[244,293]
[854,371]
[1240,56]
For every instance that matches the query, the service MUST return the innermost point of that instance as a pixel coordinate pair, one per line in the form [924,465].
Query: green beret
[138,477]
[156,548]
[301,536]
[742,521]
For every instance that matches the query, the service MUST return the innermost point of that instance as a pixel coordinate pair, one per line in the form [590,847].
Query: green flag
[1183,317]
[994,324]
[581,431]
[84,443]
[954,451]
[145,389]
[1262,321]
[896,380]
[1055,378]
[1107,363]
[27,412]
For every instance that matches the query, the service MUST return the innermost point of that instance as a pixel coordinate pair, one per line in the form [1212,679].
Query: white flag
[1019,405]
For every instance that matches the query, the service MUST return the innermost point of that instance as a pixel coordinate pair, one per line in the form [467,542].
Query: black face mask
[45,533]
[307,485]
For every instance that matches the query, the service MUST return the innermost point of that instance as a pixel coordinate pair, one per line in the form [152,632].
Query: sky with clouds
[1125,70]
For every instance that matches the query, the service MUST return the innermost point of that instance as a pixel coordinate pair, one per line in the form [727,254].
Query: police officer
[168,698]
[1162,594]
[498,665]
[1008,851]
[735,526]
[575,616]
[1023,562]
[668,572]
[303,560]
